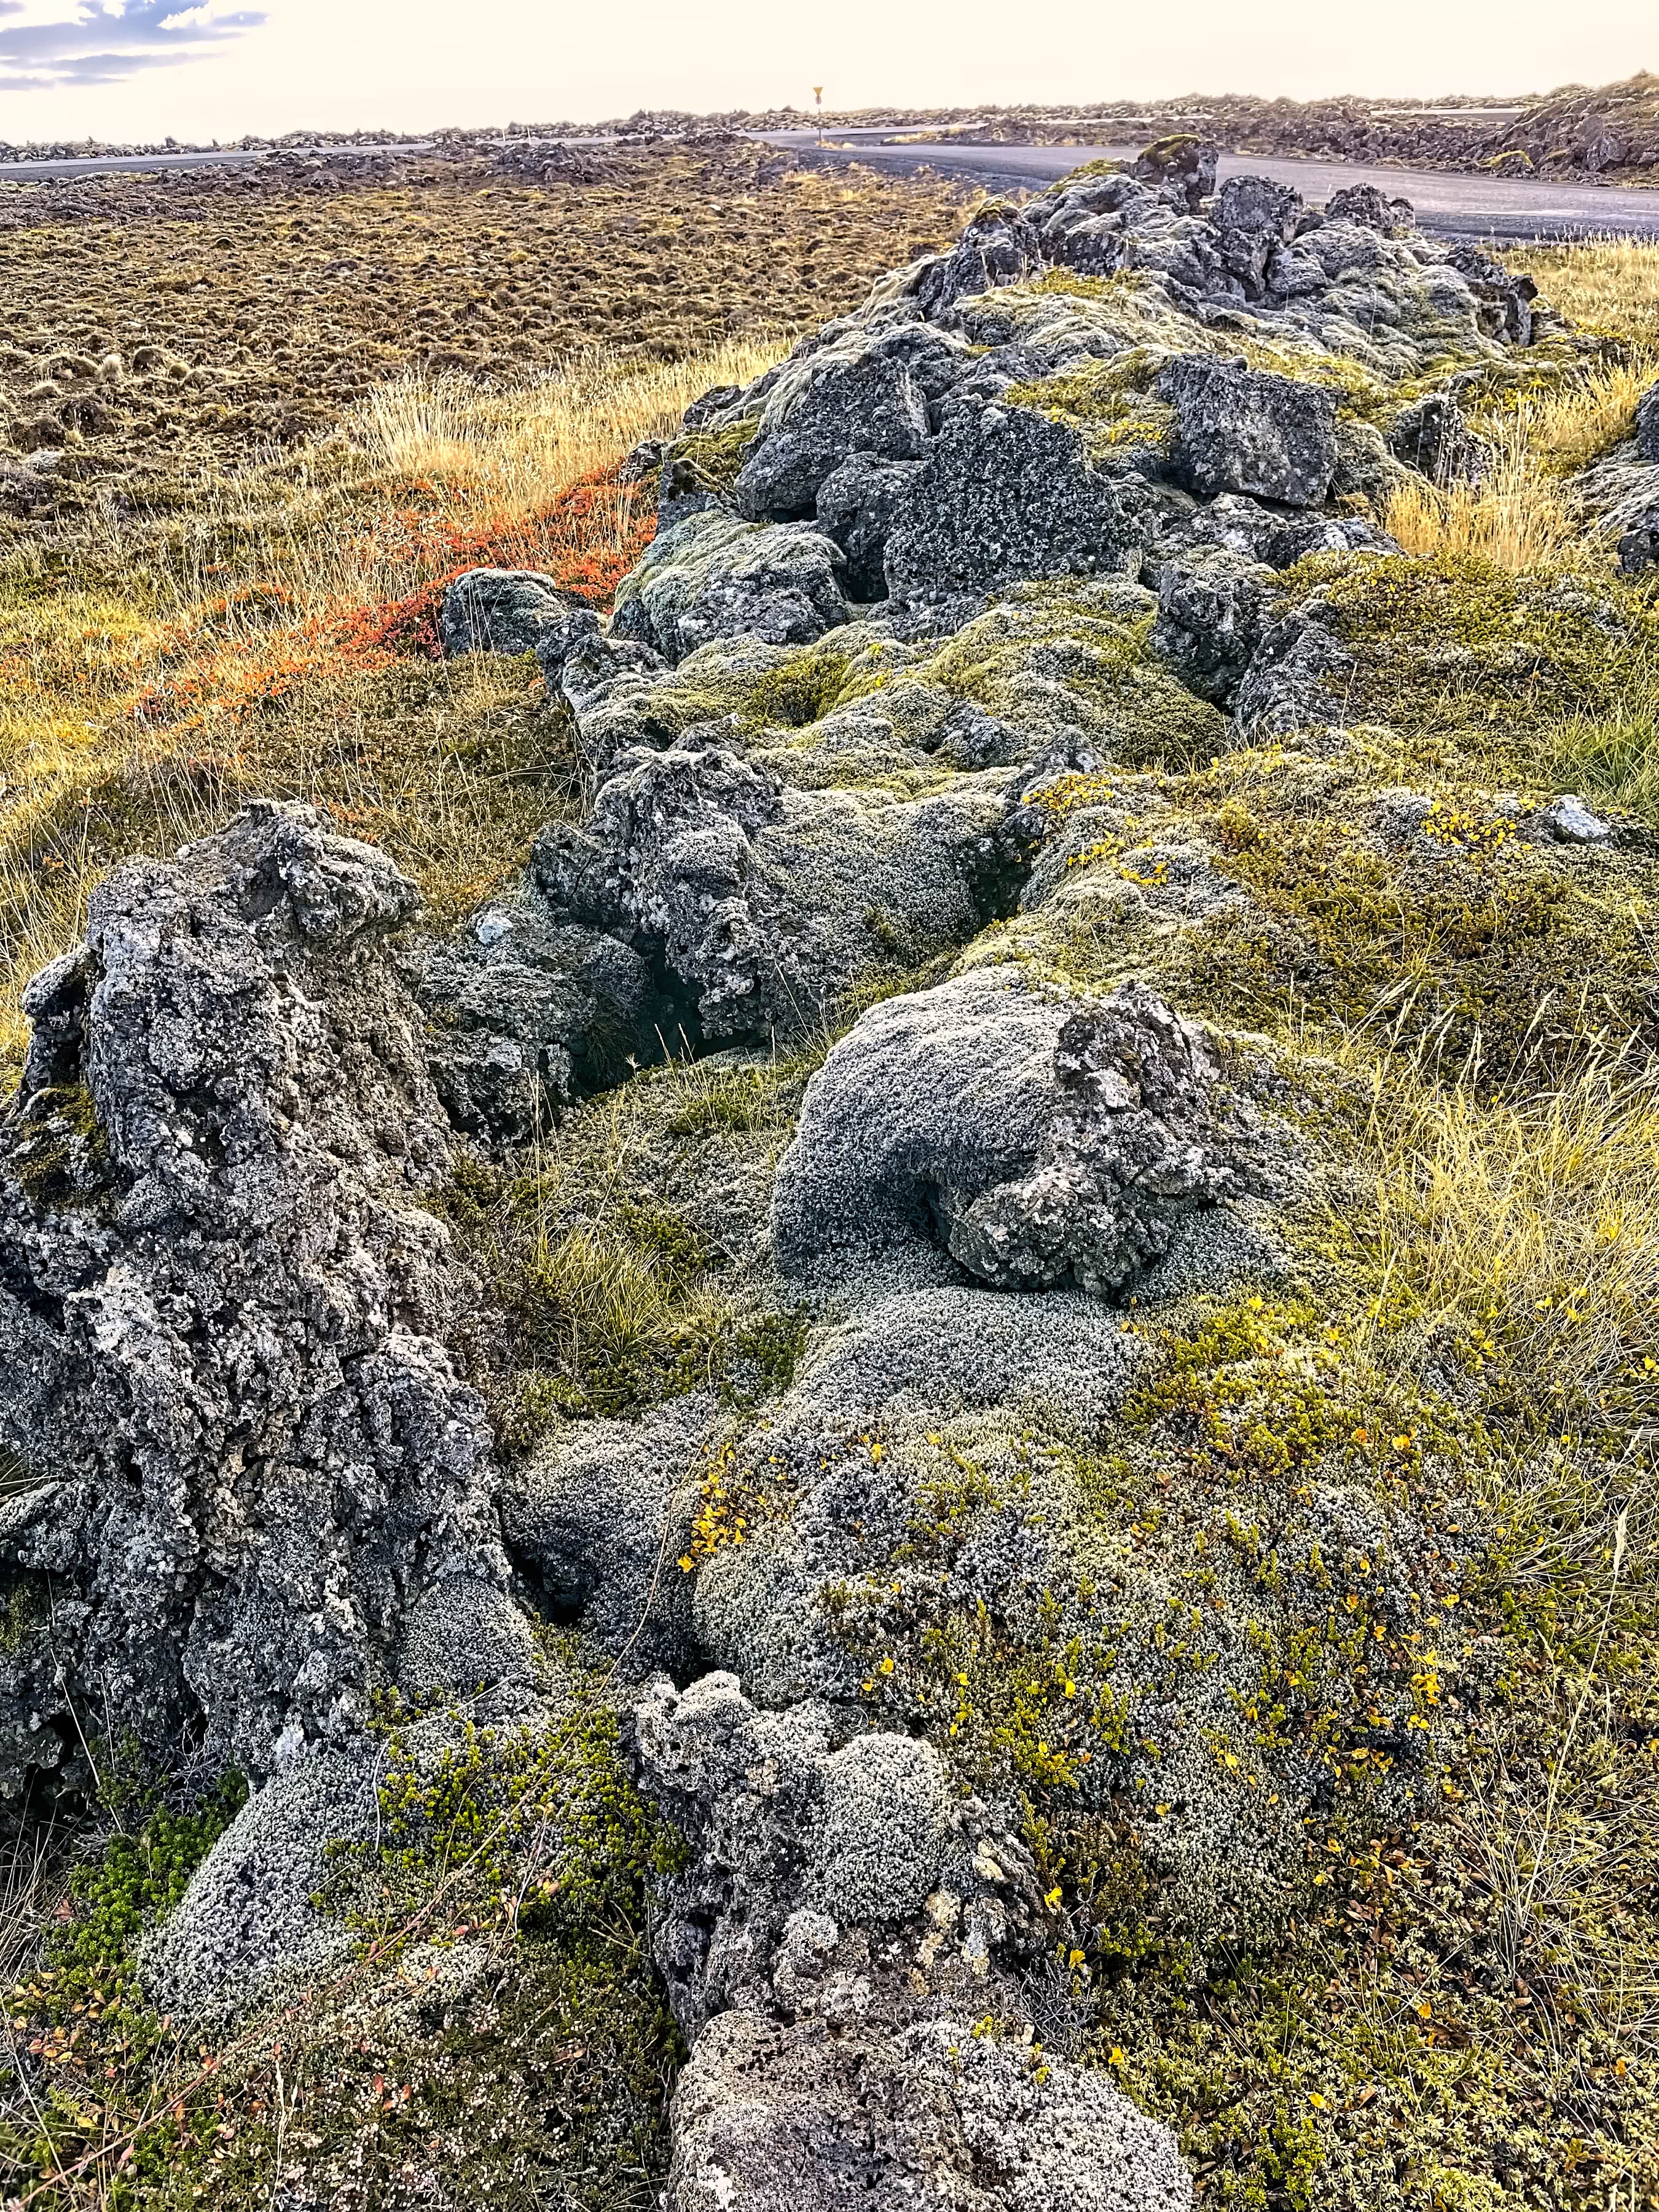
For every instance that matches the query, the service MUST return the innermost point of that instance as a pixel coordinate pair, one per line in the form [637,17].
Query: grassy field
[203,611]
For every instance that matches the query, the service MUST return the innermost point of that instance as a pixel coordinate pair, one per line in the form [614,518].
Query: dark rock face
[1211,613]
[1004,494]
[1434,437]
[222,1309]
[874,407]
[1638,547]
[1505,300]
[999,246]
[501,611]
[1366,205]
[527,1016]
[857,504]
[1183,163]
[1647,424]
[1238,429]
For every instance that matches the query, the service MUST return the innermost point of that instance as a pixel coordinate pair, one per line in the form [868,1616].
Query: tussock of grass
[1575,422]
[1528,1228]
[520,449]
[1523,514]
[1517,517]
[1609,284]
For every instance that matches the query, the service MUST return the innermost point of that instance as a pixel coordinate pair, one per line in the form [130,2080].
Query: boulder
[1255,218]
[1242,429]
[1137,1139]
[502,611]
[1004,494]
[1259,206]
[525,1015]
[774,2118]
[776,1940]
[223,1310]
[1212,611]
[714,576]
[1638,545]
[765,904]
[857,503]
[1370,207]
[998,246]
[1503,302]
[1297,680]
[1433,437]
[1184,164]
[1038,1150]
[874,406]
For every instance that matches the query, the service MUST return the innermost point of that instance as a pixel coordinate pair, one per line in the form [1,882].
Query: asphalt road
[1446,202]
[1452,204]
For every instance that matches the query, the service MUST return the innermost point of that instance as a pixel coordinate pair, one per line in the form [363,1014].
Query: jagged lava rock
[224,1309]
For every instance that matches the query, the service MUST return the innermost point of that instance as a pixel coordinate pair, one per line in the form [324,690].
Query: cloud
[82,42]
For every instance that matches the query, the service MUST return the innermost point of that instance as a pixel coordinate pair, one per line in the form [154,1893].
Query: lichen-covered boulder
[857,503]
[774,2118]
[1434,437]
[930,1098]
[1504,302]
[764,902]
[1006,493]
[1212,608]
[1037,1148]
[1139,1136]
[1245,430]
[873,406]
[223,1310]
[525,1014]
[998,246]
[501,611]
[1297,680]
[714,576]
[1183,163]
[1367,205]
[1258,204]
[835,1918]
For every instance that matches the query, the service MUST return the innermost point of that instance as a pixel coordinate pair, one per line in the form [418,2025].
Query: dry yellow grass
[1523,515]
[1609,283]
[1574,424]
[1529,1228]
[1517,517]
[199,662]
[519,448]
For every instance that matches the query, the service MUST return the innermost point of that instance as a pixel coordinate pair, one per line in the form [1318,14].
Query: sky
[145,69]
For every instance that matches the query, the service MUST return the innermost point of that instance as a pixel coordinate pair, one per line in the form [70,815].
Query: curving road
[1447,201]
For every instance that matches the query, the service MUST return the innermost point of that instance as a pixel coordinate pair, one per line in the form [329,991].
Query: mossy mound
[1454,643]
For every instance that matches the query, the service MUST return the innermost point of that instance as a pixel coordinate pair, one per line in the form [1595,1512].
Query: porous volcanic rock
[223,1308]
